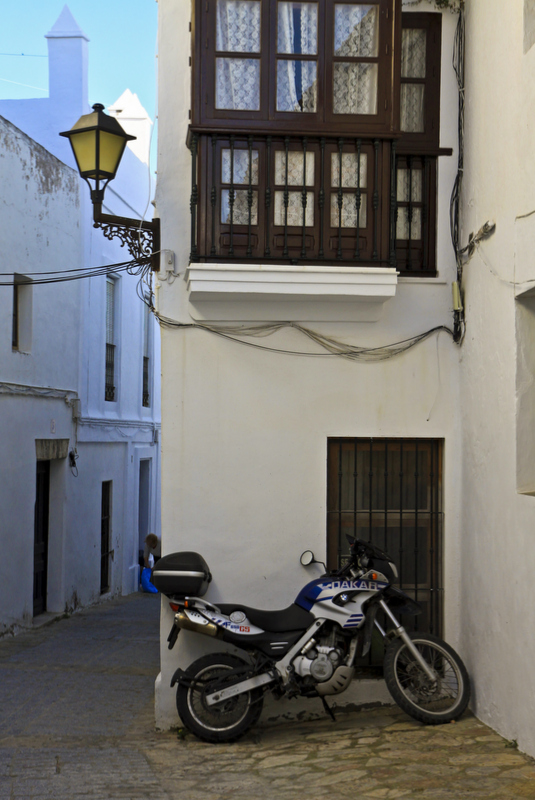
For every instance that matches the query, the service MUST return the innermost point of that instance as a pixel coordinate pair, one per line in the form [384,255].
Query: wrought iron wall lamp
[98,142]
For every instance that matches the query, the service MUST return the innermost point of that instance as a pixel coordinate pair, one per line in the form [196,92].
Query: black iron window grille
[389,492]
[109,391]
[109,388]
[146,394]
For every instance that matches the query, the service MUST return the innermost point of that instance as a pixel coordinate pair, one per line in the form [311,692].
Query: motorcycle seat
[293,618]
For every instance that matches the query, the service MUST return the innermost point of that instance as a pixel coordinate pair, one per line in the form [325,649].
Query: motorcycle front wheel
[224,721]
[433,702]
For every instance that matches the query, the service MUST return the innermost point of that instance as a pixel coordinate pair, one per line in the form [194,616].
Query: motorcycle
[308,649]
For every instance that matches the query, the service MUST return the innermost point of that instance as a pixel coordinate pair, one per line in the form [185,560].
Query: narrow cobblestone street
[76,723]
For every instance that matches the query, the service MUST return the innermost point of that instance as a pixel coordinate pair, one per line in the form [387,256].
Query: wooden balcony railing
[311,199]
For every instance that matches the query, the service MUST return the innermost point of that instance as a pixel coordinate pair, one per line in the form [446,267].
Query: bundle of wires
[133,267]
[330,345]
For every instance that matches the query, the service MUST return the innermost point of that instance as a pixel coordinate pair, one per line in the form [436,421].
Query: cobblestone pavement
[76,723]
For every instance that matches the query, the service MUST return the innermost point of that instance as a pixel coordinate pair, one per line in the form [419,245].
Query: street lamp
[98,142]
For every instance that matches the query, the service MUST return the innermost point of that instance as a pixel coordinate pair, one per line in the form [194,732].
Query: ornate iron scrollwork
[139,242]
[141,237]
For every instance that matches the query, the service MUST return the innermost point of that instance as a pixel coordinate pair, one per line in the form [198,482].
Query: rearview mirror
[307,558]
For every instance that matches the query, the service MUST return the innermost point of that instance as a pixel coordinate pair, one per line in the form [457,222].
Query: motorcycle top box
[182,574]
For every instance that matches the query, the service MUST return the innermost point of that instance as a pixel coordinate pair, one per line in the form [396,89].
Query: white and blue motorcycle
[308,649]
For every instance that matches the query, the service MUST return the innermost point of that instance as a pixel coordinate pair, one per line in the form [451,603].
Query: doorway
[40,546]
[144,501]
[105,537]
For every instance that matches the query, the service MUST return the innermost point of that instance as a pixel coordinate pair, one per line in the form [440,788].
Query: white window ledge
[280,292]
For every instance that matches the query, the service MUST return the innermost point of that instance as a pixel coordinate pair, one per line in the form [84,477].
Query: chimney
[67,65]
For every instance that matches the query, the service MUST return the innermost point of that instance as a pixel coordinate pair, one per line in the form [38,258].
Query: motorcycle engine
[318,660]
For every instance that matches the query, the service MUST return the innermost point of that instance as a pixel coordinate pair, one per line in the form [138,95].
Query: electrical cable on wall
[133,267]
[332,346]
[455,200]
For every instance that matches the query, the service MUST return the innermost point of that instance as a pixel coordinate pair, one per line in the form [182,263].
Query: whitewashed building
[311,381]
[79,364]
[272,443]
[497,402]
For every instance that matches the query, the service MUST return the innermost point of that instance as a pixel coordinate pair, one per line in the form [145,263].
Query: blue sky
[122,47]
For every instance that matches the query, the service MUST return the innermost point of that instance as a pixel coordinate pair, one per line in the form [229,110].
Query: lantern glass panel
[83,145]
[111,150]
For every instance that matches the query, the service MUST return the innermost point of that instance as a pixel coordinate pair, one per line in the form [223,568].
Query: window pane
[241,167]
[349,170]
[356,30]
[241,208]
[412,107]
[402,226]
[349,211]
[295,168]
[415,180]
[298,28]
[295,209]
[238,84]
[355,88]
[238,26]
[296,86]
[413,51]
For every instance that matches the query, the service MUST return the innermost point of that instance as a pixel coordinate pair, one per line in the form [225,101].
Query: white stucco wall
[245,431]
[45,225]
[498,523]
[39,229]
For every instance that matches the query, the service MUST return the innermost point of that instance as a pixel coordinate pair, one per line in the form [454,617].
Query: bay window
[315,132]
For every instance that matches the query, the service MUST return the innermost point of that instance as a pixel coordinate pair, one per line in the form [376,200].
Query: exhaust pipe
[185,623]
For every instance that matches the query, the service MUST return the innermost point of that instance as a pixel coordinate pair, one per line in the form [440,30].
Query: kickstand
[328,710]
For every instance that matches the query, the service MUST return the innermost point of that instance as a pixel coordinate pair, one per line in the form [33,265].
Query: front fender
[401,602]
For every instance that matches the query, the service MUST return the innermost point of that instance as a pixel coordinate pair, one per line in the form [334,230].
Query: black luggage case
[181,575]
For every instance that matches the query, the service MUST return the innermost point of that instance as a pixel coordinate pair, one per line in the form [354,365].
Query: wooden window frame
[419,257]
[429,140]
[205,115]
[322,241]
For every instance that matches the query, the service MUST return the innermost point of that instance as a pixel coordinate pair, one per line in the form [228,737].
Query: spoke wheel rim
[222,716]
[438,697]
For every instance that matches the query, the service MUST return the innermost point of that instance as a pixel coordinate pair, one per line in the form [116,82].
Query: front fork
[400,632]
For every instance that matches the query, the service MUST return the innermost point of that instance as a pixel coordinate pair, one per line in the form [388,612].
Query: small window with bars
[146,353]
[389,492]
[109,388]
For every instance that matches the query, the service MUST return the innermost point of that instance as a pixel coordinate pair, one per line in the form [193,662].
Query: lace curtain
[356,29]
[239,175]
[413,56]
[238,31]
[297,32]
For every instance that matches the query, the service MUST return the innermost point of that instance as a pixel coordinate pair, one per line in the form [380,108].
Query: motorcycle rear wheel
[432,702]
[223,722]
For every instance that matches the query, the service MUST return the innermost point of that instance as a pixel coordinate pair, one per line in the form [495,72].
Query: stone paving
[76,723]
